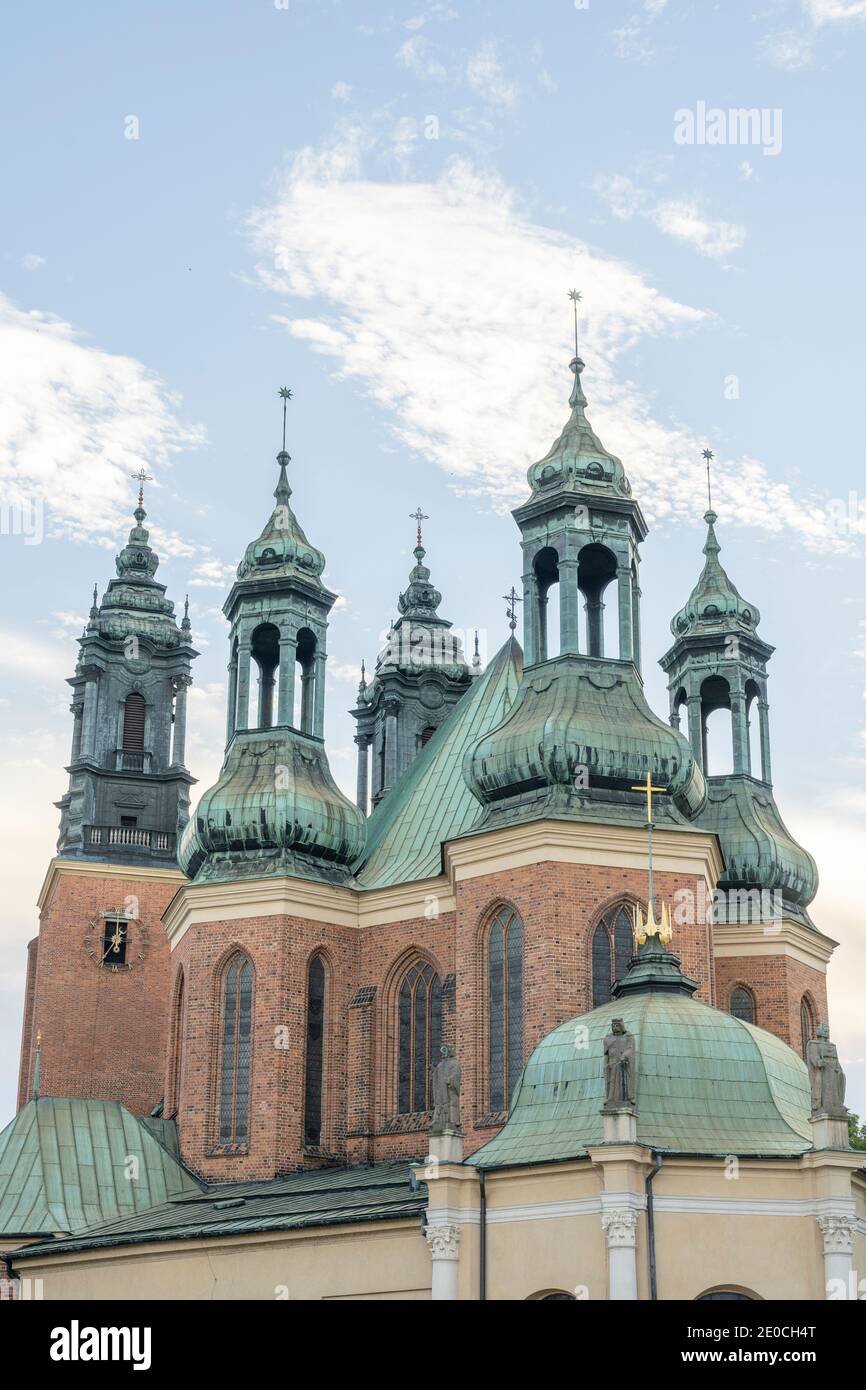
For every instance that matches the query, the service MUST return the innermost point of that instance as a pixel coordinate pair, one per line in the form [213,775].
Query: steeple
[719,662]
[420,674]
[276,808]
[580,733]
[128,794]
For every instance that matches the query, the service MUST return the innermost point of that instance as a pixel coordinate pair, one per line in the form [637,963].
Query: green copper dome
[282,550]
[575,713]
[578,460]
[134,604]
[275,809]
[760,851]
[715,602]
[706,1083]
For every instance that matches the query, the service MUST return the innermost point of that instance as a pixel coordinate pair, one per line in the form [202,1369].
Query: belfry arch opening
[265,652]
[596,570]
[305,680]
[753,729]
[546,567]
[717,734]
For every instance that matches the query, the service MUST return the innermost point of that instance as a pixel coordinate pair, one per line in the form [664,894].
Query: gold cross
[648,788]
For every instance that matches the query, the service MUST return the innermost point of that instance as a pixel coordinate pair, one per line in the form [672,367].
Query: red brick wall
[103,1034]
[778,984]
[27,1024]
[559,905]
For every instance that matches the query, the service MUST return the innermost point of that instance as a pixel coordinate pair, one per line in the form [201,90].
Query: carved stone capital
[443,1241]
[619,1226]
[838,1233]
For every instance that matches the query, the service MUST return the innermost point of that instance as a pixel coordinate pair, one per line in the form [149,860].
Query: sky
[384,206]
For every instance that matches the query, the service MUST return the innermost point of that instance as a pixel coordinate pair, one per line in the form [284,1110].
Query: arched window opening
[753,729]
[177,1026]
[236,1051]
[742,1004]
[265,652]
[717,735]
[305,692]
[807,1023]
[596,570]
[315,1052]
[419,1030]
[426,735]
[680,712]
[546,568]
[133,722]
[504,1007]
[612,950]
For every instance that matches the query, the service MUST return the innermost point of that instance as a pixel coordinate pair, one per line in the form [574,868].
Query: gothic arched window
[504,1006]
[743,1004]
[612,949]
[315,1055]
[236,1045]
[133,722]
[419,1031]
[807,1023]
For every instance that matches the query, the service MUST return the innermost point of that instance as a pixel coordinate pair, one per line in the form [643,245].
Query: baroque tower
[98,970]
[420,675]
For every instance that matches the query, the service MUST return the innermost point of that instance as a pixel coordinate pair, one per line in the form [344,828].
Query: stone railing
[121,837]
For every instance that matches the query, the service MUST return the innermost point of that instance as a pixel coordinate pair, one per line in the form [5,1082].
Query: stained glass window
[236,1055]
[742,1004]
[504,1006]
[612,949]
[419,1036]
[315,1051]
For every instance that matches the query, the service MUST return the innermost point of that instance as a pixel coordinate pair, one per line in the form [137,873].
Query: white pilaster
[619,1225]
[838,1233]
[443,1239]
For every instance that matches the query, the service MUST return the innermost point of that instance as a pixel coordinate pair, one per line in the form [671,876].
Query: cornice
[785,938]
[78,868]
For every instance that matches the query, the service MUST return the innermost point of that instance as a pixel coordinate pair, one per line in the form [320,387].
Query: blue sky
[383,206]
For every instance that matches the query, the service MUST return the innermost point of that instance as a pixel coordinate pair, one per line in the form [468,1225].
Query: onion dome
[760,851]
[715,602]
[706,1083]
[282,549]
[275,809]
[578,461]
[580,729]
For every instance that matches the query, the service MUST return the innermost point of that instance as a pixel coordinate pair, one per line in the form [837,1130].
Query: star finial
[575,296]
[708,455]
[286,396]
[512,598]
[418,516]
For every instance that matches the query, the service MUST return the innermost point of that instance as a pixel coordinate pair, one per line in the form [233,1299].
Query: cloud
[75,422]
[33,660]
[631,41]
[790,50]
[31,261]
[680,218]
[415,55]
[446,304]
[834,11]
[486,77]
[341,91]
[211,573]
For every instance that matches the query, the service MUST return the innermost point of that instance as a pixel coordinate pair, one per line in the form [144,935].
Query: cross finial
[648,788]
[512,598]
[141,477]
[575,296]
[418,516]
[708,455]
[286,395]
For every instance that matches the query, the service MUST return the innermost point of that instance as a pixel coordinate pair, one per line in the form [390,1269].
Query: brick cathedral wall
[777,983]
[103,1033]
[559,905]
[27,1023]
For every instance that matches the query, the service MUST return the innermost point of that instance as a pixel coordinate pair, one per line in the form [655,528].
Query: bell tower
[97,976]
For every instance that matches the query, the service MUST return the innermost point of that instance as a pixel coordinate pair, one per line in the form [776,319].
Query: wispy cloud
[76,421]
[835,11]
[632,40]
[684,219]
[791,49]
[408,282]
[486,76]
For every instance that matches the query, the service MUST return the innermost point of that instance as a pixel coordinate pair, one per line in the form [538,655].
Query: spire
[476,660]
[420,600]
[512,598]
[282,491]
[362,684]
[186,625]
[715,603]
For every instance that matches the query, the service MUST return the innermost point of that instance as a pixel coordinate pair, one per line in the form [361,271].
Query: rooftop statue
[826,1077]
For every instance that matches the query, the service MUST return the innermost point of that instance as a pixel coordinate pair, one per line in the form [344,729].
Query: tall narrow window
[133,722]
[612,949]
[742,1004]
[236,1051]
[176,1048]
[315,1052]
[807,1029]
[419,1036]
[504,1006]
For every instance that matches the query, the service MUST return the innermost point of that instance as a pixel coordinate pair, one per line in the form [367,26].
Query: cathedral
[541,1014]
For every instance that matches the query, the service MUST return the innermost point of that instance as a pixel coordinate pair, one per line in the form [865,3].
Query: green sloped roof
[326,1197]
[432,803]
[707,1083]
[64,1166]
